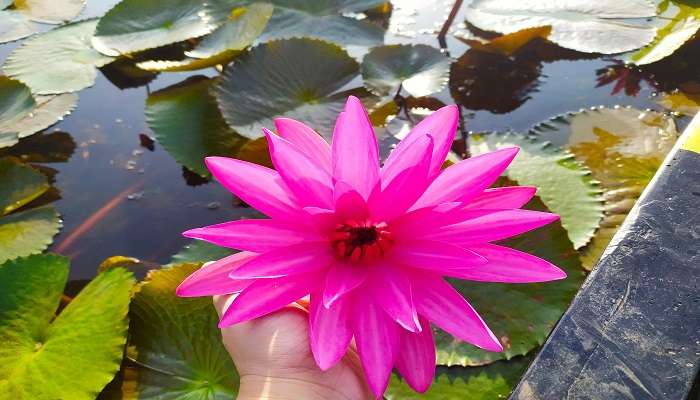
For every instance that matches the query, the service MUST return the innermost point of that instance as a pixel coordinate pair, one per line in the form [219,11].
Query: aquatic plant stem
[448,22]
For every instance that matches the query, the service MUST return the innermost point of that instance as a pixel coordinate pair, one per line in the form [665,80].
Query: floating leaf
[14,26]
[43,148]
[5,3]
[678,22]
[521,315]
[47,111]
[242,28]
[199,251]
[297,78]
[176,345]
[134,25]
[418,69]
[50,11]
[19,184]
[323,19]
[58,61]
[124,74]
[598,27]
[187,123]
[564,185]
[494,381]
[684,103]
[80,349]
[623,148]
[16,101]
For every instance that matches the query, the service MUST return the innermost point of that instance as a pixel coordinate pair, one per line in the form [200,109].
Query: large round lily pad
[14,26]
[69,356]
[58,61]
[47,111]
[175,343]
[418,69]
[19,184]
[50,11]
[135,25]
[187,123]
[16,102]
[563,184]
[520,315]
[623,148]
[296,78]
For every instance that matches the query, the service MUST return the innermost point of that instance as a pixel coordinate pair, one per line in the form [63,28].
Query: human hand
[274,360]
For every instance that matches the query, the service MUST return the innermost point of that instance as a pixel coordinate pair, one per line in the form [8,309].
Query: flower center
[357,241]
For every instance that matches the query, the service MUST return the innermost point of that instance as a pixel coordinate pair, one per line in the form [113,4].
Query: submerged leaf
[418,69]
[50,11]
[80,349]
[297,78]
[593,27]
[564,185]
[188,124]
[684,103]
[16,102]
[521,316]
[58,61]
[14,26]
[622,148]
[175,343]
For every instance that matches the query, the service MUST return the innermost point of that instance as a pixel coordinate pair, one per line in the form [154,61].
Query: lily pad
[135,25]
[5,3]
[188,124]
[683,103]
[199,251]
[80,349]
[243,26]
[418,69]
[58,61]
[16,101]
[494,381]
[14,26]
[563,184]
[47,111]
[623,148]
[521,315]
[325,20]
[175,344]
[678,22]
[297,78]
[50,11]
[19,185]
[45,147]
[592,27]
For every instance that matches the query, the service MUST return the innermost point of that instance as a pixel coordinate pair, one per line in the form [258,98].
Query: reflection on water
[120,193]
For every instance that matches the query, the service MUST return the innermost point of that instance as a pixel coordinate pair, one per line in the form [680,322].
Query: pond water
[117,196]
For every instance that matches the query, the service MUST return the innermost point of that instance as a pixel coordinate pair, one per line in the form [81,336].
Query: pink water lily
[370,244]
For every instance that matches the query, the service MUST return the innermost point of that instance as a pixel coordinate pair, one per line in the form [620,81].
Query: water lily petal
[503,197]
[441,125]
[496,225]
[291,260]
[418,223]
[434,255]
[212,279]
[262,188]
[416,358]
[309,182]
[341,279]
[267,295]
[329,331]
[354,149]
[377,339]
[392,291]
[445,307]
[258,235]
[510,266]
[306,140]
[467,179]
[349,203]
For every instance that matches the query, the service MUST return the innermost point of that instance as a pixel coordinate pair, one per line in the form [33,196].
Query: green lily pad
[494,381]
[69,356]
[297,78]
[678,21]
[68,52]
[28,232]
[175,345]
[520,315]
[591,27]
[50,11]
[199,251]
[563,184]
[19,185]
[324,20]
[623,148]
[14,26]
[243,26]
[418,69]
[187,123]
[16,101]
[47,111]
[135,25]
